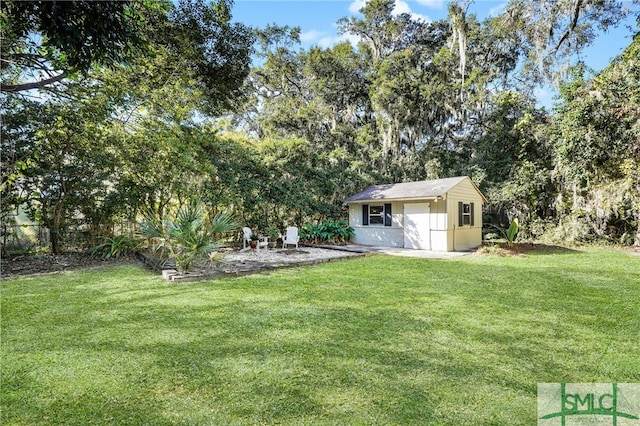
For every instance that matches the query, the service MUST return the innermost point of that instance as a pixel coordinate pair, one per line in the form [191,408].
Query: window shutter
[472,215]
[365,214]
[387,215]
[460,212]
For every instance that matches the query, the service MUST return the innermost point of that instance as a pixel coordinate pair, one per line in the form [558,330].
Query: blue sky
[317,20]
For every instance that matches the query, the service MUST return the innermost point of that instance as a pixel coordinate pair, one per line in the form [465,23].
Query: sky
[317,20]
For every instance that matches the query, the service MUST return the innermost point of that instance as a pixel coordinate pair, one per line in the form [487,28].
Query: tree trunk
[54,229]
[55,241]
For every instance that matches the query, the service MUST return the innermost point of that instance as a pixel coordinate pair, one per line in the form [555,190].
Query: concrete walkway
[398,251]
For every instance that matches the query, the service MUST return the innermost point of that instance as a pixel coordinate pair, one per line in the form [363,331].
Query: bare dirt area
[39,264]
[518,249]
[233,259]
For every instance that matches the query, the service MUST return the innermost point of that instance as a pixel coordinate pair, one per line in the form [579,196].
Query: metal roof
[410,190]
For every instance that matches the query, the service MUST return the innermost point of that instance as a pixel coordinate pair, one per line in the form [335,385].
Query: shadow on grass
[412,342]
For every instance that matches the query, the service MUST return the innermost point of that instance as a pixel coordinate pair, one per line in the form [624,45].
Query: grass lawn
[375,340]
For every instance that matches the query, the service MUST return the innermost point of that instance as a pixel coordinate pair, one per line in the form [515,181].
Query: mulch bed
[518,249]
[13,266]
[38,264]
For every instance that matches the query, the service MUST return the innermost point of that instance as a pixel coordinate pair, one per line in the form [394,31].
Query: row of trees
[418,100]
[165,109]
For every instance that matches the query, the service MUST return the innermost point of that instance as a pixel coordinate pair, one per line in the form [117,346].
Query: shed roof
[410,190]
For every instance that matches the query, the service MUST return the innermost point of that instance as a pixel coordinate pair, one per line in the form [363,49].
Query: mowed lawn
[372,341]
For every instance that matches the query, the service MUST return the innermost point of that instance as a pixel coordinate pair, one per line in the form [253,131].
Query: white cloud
[356,5]
[419,17]
[311,36]
[433,4]
[326,40]
[330,41]
[495,11]
[400,7]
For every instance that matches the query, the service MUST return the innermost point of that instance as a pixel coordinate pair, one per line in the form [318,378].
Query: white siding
[417,226]
[439,240]
[438,215]
[377,235]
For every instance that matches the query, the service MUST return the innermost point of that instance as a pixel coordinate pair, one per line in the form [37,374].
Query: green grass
[376,340]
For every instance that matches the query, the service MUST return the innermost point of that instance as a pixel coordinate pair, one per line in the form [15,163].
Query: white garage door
[416,226]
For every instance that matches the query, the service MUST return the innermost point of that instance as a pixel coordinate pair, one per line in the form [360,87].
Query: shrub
[330,231]
[189,236]
[116,247]
[510,233]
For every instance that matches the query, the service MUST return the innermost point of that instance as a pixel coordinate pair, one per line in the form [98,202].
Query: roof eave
[381,200]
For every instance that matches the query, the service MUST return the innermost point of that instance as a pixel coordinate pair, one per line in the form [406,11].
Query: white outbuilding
[442,214]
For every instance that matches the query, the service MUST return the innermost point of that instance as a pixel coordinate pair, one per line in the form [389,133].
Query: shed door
[416,226]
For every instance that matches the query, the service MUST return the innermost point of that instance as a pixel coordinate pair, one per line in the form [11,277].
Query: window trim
[384,215]
[466,218]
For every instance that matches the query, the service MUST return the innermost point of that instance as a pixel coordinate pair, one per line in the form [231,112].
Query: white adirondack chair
[291,237]
[246,237]
[247,234]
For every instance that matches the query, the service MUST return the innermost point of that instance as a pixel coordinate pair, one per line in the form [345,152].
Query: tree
[553,32]
[65,166]
[44,42]
[597,149]
[214,52]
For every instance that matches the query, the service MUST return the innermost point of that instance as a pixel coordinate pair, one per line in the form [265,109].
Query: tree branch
[11,88]
[574,23]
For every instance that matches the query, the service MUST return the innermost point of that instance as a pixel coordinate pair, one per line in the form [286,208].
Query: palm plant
[189,236]
[114,247]
[510,233]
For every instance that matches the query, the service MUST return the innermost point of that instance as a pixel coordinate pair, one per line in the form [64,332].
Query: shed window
[465,214]
[376,214]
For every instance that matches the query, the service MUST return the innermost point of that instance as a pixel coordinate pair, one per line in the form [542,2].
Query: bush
[510,233]
[572,229]
[189,236]
[332,232]
[116,247]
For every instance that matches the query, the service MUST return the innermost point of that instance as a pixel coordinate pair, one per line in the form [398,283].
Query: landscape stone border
[236,269]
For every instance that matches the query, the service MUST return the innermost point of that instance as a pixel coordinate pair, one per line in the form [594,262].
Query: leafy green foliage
[188,236]
[211,50]
[509,233]
[597,149]
[115,247]
[63,37]
[412,101]
[330,231]
[551,32]
[512,231]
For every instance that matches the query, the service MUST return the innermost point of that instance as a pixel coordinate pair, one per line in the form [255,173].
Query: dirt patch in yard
[39,264]
[519,249]
[234,260]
